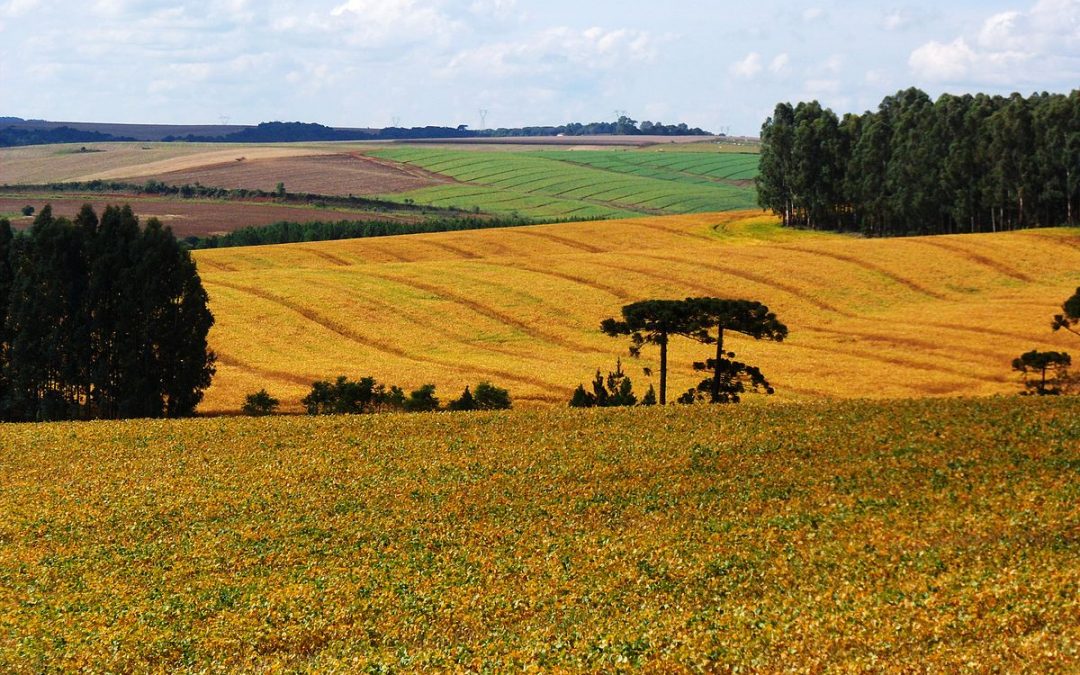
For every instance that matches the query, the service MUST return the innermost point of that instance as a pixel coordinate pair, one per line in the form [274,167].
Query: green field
[583,184]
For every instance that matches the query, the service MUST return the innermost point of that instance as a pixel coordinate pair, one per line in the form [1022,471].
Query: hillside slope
[520,307]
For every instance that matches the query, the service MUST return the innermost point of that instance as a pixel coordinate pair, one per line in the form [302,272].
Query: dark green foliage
[466,402]
[729,381]
[260,403]
[650,397]
[422,400]
[1069,319]
[28,210]
[653,322]
[101,319]
[287,232]
[731,378]
[616,390]
[490,397]
[345,397]
[1045,373]
[917,166]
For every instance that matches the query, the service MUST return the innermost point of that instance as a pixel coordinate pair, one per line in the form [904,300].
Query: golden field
[852,536]
[921,316]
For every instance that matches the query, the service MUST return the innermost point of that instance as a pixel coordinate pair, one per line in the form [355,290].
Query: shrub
[422,400]
[260,403]
[28,210]
[343,397]
[490,397]
[466,402]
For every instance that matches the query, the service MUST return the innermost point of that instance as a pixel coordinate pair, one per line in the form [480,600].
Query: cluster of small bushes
[366,395]
[614,391]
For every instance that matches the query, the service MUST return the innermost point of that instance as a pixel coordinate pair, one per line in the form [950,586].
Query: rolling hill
[869,318]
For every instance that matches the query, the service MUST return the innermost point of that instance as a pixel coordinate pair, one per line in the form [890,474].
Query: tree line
[287,232]
[100,318]
[917,166]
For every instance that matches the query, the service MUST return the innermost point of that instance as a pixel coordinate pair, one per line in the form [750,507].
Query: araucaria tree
[1045,373]
[652,322]
[716,317]
[100,319]
[1069,319]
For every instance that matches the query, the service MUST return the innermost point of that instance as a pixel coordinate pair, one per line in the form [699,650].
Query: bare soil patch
[337,174]
[186,217]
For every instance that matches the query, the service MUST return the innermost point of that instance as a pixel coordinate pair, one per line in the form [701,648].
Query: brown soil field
[338,174]
[185,216]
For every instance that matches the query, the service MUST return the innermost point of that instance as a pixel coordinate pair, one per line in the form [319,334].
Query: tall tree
[1069,319]
[746,317]
[652,322]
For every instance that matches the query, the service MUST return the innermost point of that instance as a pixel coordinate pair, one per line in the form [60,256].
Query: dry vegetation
[877,318]
[849,536]
[338,174]
[187,217]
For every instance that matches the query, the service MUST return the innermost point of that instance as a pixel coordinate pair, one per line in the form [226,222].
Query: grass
[869,318]
[851,536]
[582,183]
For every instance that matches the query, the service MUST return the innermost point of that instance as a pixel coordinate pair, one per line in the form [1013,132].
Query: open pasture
[521,307]
[581,183]
[851,536]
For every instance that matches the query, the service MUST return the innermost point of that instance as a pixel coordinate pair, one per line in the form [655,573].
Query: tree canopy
[1069,319]
[917,166]
[652,322]
[100,318]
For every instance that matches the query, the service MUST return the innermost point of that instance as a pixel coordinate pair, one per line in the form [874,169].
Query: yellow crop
[522,306]
[936,536]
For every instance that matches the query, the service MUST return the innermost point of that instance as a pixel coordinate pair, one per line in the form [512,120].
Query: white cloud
[554,49]
[896,19]
[813,14]
[16,8]
[497,8]
[376,23]
[939,62]
[779,64]
[748,67]
[1010,49]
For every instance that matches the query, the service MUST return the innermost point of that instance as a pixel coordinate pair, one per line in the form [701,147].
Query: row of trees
[917,166]
[100,318]
[706,321]
[367,395]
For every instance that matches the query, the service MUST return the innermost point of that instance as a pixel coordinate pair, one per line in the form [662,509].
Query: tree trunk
[716,366]
[663,370]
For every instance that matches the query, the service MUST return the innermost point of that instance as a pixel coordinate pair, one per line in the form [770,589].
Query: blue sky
[721,65]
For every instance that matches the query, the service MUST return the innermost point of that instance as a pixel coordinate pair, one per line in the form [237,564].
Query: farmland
[584,183]
[909,317]
[925,535]
[187,217]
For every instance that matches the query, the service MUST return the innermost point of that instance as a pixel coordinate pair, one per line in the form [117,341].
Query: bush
[466,402]
[28,210]
[343,397]
[422,400]
[490,397]
[260,403]
[616,390]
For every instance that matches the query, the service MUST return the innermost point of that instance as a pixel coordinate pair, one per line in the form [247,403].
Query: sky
[358,63]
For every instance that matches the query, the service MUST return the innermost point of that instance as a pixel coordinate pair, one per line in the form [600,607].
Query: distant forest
[15,133]
[917,166]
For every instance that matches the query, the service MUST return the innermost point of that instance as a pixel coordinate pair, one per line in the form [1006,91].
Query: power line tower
[224,119]
[483,119]
[395,122]
[619,114]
